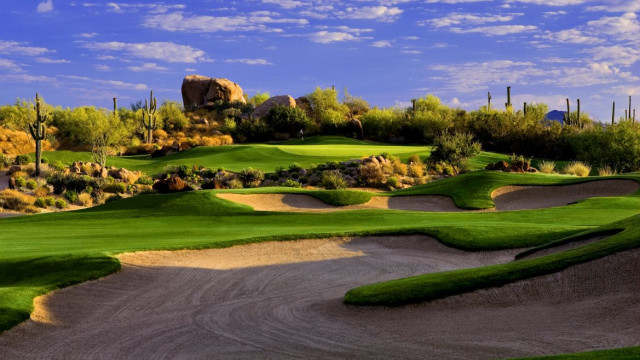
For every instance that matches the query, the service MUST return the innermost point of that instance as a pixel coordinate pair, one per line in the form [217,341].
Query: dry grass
[85,199]
[16,201]
[547,167]
[399,167]
[416,170]
[577,168]
[606,171]
[15,142]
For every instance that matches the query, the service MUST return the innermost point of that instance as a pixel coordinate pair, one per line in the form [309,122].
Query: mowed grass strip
[629,353]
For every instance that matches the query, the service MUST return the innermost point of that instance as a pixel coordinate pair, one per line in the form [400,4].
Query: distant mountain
[556,115]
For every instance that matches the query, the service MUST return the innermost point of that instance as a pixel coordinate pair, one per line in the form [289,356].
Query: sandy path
[538,197]
[284,300]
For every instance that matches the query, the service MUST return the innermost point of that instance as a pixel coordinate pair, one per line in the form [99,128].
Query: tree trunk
[38,156]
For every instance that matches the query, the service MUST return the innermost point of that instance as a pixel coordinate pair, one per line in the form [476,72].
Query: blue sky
[387,51]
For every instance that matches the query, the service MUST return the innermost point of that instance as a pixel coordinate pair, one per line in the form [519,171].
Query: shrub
[15,200]
[454,149]
[61,204]
[115,188]
[41,191]
[31,184]
[40,202]
[77,183]
[547,167]
[285,119]
[144,180]
[577,168]
[112,198]
[5,161]
[606,171]
[71,196]
[85,199]
[332,179]
[235,184]
[415,159]
[393,183]
[371,174]
[20,181]
[399,168]
[50,201]
[294,167]
[23,159]
[58,165]
[185,171]
[291,183]
[251,177]
[415,170]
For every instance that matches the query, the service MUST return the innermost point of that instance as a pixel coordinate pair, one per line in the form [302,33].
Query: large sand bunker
[284,300]
[505,198]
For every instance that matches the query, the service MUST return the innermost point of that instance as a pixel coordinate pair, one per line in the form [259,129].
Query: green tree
[171,116]
[285,119]
[258,98]
[326,110]
[454,149]
[102,130]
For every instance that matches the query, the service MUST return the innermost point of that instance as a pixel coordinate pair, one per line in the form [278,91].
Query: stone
[125,175]
[263,109]
[14,169]
[304,104]
[172,184]
[501,165]
[198,91]
[12,183]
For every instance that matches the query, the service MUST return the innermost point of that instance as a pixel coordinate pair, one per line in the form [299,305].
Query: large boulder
[264,108]
[172,184]
[304,104]
[199,91]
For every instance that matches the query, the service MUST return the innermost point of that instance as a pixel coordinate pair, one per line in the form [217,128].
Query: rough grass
[630,353]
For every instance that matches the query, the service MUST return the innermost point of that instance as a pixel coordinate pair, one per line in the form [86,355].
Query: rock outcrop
[199,91]
[264,108]
[172,184]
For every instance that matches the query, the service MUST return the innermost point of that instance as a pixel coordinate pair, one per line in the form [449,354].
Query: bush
[50,201]
[77,183]
[184,171]
[115,188]
[332,179]
[415,170]
[71,196]
[606,171]
[40,202]
[547,167]
[23,159]
[58,165]
[61,204]
[144,180]
[5,161]
[112,198]
[85,199]
[41,191]
[285,119]
[454,149]
[371,174]
[31,184]
[294,167]
[577,168]
[15,200]
[415,159]
[235,184]
[393,183]
[251,177]
[399,168]
[20,182]
[291,183]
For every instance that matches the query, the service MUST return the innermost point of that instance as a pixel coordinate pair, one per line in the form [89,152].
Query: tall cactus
[38,132]
[488,101]
[149,116]
[578,121]
[508,103]
[613,113]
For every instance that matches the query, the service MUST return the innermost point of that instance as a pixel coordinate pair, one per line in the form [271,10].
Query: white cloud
[380,13]
[458,19]
[411,52]
[326,37]
[287,4]
[102,67]
[110,83]
[9,65]
[572,36]
[552,2]
[166,51]
[44,60]
[256,21]
[497,30]
[616,54]
[454,1]
[13,47]
[381,43]
[147,67]
[88,35]
[625,27]
[45,6]
[249,61]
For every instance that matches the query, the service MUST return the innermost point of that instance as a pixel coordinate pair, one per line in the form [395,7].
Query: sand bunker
[538,197]
[505,198]
[284,300]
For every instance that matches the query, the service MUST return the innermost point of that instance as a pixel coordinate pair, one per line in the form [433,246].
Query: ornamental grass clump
[332,179]
[547,167]
[577,168]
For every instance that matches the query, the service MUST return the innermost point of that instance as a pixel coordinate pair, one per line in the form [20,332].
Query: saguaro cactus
[613,113]
[508,103]
[488,101]
[568,119]
[524,108]
[38,132]
[149,116]
[578,114]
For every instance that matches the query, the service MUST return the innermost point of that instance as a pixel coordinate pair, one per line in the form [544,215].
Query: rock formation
[199,91]
[264,108]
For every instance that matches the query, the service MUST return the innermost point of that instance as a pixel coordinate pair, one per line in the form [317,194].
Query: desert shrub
[285,119]
[85,199]
[577,168]
[31,184]
[251,177]
[171,117]
[50,201]
[5,161]
[393,182]
[23,159]
[235,184]
[216,140]
[40,202]
[229,126]
[15,200]
[371,174]
[71,196]
[326,111]
[184,171]
[454,149]
[77,183]
[332,179]
[58,165]
[61,204]
[606,171]
[44,160]
[291,183]
[415,159]
[356,105]
[415,170]
[159,134]
[115,188]
[20,181]
[547,167]
[259,98]
[41,191]
[144,180]
[253,130]
[382,124]
[295,167]
[448,170]
[399,168]
[422,180]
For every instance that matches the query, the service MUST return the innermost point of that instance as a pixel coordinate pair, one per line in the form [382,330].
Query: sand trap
[284,300]
[505,198]
[307,203]
[538,197]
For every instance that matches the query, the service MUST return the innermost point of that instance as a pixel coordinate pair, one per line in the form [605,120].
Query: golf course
[484,265]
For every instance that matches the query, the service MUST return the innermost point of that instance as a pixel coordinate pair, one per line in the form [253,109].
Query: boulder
[264,108]
[501,165]
[304,104]
[172,184]
[14,169]
[198,91]
[125,175]
[12,183]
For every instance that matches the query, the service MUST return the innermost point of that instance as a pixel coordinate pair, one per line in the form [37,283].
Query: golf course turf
[45,252]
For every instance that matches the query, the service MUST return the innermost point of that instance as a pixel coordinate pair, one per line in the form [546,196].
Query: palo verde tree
[454,149]
[38,132]
[149,117]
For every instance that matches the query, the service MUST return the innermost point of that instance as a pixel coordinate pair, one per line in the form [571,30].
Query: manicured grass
[268,157]
[630,353]
[438,285]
